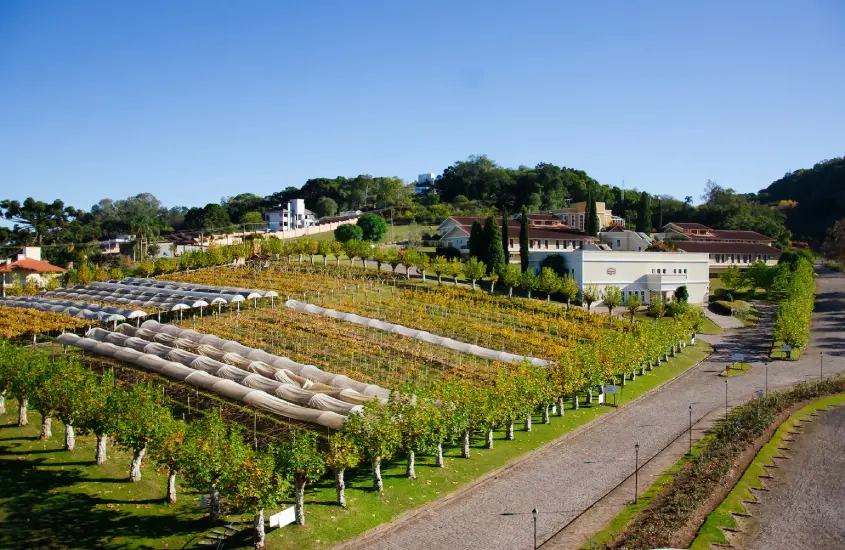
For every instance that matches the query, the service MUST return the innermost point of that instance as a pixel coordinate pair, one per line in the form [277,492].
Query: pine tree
[505,236]
[476,240]
[523,238]
[644,214]
[494,256]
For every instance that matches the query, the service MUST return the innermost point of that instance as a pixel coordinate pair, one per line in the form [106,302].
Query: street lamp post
[636,470]
[726,399]
[690,430]
[534,515]
[767,379]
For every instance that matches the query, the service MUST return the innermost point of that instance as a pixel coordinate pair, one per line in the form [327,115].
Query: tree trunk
[492,287]
[340,487]
[378,484]
[3,402]
[510,292]
[22,418]
[258,526]
[171,487]
[135,471]
[528,423]
[46,427]
[299,506]
[465,445]
[100,456]
[70,437]
[560,405]
[439,279]
[438,456]
[411,472]
[546,419]
[548,298]
[325,263]
[529,293]
[509,430]
[575,401]
[473,284]
[489,444]
[215,502]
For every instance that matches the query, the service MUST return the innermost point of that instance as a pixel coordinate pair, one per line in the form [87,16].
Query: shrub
[556,263]
[676,309]
[348,232]
[373,227]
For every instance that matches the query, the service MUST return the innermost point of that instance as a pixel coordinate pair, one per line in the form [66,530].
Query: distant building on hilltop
[295,216]
[425,183]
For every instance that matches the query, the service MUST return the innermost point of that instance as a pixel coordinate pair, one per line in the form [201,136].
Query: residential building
[618,238]
[544,233]
[27,267]
[725,247]
[424,184]
[295,216]
[112,246]
[574,215]
[648,274]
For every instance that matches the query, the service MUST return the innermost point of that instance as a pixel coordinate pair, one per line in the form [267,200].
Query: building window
[557,244]
[618,243]
[546,244]
[510,243]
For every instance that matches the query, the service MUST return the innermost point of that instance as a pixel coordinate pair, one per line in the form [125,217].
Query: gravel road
[569,476]
[803,507]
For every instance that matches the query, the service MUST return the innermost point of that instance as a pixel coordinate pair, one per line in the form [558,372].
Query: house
[544,233]
[112,246]
[617,237]
[725,247]
[295,216]
[574,215]
[27,267]
[424,184]
[177,244]
[650,275]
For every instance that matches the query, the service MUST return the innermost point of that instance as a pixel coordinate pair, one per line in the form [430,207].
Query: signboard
[610,389]
[285,517]
[203,500]
[786,348]
[611,271]
[737,358]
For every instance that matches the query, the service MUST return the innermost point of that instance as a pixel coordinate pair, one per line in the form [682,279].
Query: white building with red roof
[27,266]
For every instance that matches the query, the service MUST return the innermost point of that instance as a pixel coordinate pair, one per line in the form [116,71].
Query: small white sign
[786,348]
[601,399]
[285,517]
[737,358]
[610,389]
[203,500]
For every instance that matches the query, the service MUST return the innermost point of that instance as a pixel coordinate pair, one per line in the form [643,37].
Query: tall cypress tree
[592,224]
[523,239]
[644,214]
[505,236]
[659,214]
[476,240]
[494,257]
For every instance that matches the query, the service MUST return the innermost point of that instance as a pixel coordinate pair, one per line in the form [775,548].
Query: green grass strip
[776,353]
[736,369]
[723,516]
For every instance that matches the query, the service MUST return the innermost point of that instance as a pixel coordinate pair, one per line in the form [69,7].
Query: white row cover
[309,372]
[486,353]
[136,300]
[209,375]
[119,288]
[80,310]
[248,293]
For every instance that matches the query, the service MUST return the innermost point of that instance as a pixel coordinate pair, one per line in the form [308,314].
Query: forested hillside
[820,196]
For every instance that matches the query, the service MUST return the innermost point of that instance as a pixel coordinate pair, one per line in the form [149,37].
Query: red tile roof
[735,234]
[716,247]
[689,225]
[28,264]
[534,231]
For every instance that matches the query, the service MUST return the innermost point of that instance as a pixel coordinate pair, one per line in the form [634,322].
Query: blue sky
[195,100]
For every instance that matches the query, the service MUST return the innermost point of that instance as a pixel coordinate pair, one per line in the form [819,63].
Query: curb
[403,518]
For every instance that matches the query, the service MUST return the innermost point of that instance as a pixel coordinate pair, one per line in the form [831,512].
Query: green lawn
[723,516]
[92,506]
[710,327]
[718,292]
[736,369]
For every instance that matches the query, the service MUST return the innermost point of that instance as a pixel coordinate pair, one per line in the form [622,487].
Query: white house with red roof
[725,247]
[27,266]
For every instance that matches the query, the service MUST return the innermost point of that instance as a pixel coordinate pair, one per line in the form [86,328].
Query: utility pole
[690,430]
[534,515]
[726,399]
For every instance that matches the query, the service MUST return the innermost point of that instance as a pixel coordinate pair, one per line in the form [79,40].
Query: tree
[528,282]
[168,452]
[138,420]
[376,435]
[494,255]
[569,289]
[36,217]
[682,294]
[75,387]
[325,207]
[556,263]
[611,297]
[732,278]
[46,396]
[511,277]
[98,412]
[348,232]
[476,241]
[258,484]
[340,455]
[523,239]
[834,244]
[548,283]
[373,227]
[589,295]
[422,263]
[408,259]
[633,304]
[474,270]
[337,250]
[252,220]
[299,457]
[656,307]
[593,224]
[416,419]
[440,266]
[214,453]
[505,236]
[643,214]
[324,249]
[456,269]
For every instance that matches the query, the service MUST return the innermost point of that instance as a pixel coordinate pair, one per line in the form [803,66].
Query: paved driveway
[570,475]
